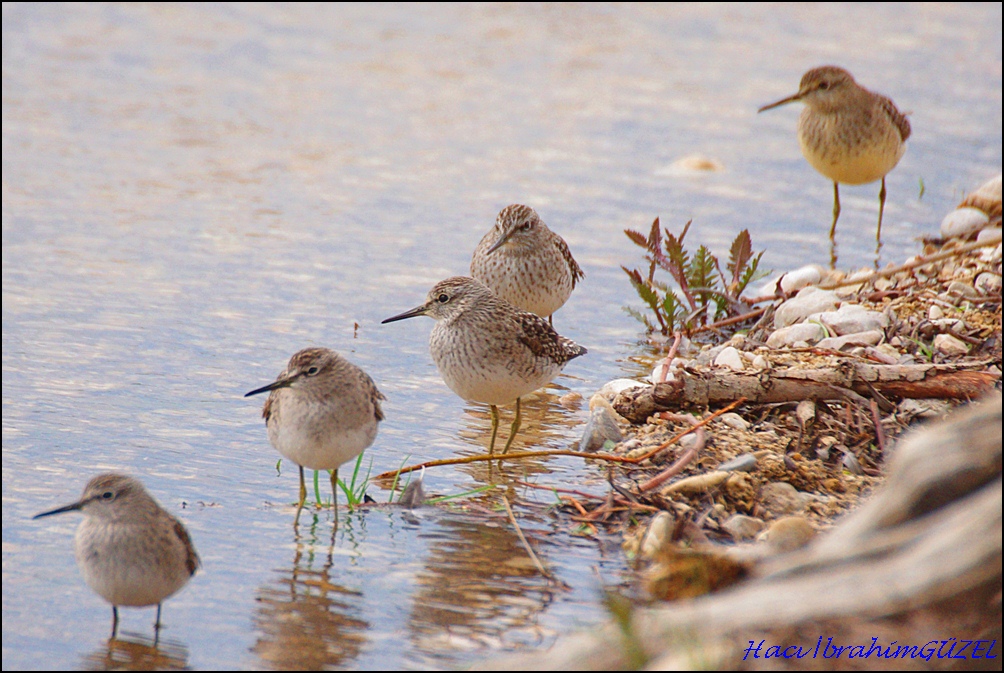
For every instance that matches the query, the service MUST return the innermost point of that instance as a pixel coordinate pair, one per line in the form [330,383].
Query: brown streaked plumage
[322,411]
[487,350]
[849,134]
[525,263]
[131,551]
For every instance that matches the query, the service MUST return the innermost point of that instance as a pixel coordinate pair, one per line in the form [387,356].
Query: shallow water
[193,193]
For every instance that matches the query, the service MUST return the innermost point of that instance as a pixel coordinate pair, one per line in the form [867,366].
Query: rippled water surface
[193,193]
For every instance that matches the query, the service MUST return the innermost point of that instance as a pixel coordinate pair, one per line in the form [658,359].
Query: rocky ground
[835,369]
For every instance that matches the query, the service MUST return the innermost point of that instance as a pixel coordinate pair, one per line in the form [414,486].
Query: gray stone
[963,222]
[742,463]
[988,283]
[851,464]
[799,278]
[730,357]
[742,527]
[869,338]
[809,300]
[789,336]
[734,421]
[949,345]
[852,319]
[602,426]
[780,497]
[612,388]
[964,290]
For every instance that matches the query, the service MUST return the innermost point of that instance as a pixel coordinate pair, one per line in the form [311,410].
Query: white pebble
[809,300]
[949,345]
[963,222]
[729,357]
[735,421]
[852,319]
[799,278]
[869,338]
[802,332]
[988,283]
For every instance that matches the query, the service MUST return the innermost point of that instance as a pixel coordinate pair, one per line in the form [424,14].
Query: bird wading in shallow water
[489,351]
[131,551]
[525,263]
[321,412]
[849,134]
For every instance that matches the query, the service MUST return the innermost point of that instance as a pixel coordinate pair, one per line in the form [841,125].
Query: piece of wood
[848,381]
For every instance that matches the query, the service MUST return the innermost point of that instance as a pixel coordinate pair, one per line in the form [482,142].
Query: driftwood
[918,565]
[849,381]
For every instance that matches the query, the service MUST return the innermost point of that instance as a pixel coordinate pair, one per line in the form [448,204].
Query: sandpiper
[322,411]
[487,350]
[526,263]
[131,551]
[848,133]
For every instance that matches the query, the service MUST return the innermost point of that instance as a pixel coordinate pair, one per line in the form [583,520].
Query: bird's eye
[107,495]
[443,298]
[527,225]
[823,86]
[312,371]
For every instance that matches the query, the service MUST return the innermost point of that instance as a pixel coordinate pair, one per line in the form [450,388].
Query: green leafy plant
[355,489]
[708,294]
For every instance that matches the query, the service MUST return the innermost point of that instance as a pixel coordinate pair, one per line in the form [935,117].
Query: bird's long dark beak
[417,311]
[502,239]
[783,101]
[281,383]
[59,510]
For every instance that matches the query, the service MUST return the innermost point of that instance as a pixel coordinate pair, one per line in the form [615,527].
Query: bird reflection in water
[134,652]
[478,589]
[307,621]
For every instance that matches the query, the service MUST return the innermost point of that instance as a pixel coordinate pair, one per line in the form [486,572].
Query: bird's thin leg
[878,232]
[495,428]
[303,496]
[513,430]
[836,209]
[115,621]
[334,494]
[156,627]
[550,320]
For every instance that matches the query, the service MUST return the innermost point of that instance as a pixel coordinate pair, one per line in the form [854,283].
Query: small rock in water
[572,400]
[414,493]
[601,427]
